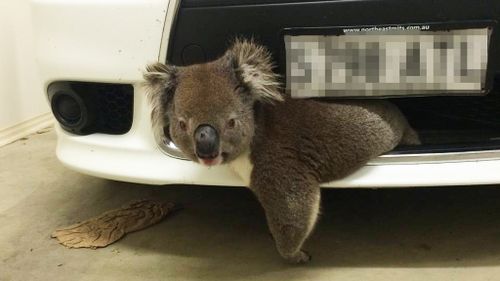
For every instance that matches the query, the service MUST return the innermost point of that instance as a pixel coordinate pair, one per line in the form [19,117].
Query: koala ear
[254,68]
[160,82]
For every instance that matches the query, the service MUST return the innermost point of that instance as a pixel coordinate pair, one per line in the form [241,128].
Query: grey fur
[160,82]
[255,68]
[294,144]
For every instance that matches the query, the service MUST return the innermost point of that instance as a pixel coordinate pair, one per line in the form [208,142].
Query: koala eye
[231,123]
[182,125]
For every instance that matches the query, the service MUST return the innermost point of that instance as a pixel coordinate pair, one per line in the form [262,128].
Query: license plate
[382,61]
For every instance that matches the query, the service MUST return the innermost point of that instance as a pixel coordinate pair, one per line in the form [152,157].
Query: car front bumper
[111,41]
[136,157]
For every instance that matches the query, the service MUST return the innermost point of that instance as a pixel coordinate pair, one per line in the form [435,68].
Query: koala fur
[283,148]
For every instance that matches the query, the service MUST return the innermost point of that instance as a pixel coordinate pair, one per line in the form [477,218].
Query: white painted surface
[97,40]
[22,95]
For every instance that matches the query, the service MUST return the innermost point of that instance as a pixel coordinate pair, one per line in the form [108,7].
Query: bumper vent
[84,108]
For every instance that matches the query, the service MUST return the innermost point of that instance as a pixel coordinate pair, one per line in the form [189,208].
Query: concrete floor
[399,234]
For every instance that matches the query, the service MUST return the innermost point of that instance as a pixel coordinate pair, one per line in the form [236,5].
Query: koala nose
[207,142]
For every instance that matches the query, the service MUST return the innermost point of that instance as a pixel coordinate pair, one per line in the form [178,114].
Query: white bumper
[134,157]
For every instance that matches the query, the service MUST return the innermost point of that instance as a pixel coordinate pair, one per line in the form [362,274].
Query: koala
[232,111]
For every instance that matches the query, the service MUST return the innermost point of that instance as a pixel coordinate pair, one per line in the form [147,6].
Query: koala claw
[299,258]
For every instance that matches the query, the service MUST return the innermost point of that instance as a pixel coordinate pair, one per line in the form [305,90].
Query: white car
[92,54]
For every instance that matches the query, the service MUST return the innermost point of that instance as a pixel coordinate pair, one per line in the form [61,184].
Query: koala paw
[299,258]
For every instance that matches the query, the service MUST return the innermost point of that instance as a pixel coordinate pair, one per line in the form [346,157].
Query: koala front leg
[291,203]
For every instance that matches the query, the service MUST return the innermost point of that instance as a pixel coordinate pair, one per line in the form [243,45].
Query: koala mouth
[211,161]
[216,160]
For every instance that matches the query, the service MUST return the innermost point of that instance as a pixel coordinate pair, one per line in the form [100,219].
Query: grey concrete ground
[403,234]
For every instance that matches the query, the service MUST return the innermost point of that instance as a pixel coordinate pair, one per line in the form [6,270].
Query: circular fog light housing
[69,110]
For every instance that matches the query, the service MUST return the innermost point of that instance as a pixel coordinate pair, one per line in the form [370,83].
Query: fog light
[67,108]
[74,112]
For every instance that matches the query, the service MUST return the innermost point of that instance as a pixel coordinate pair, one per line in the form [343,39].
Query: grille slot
[115,109]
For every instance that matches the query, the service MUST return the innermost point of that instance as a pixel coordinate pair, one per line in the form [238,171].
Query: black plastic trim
[219,3]
[105,107]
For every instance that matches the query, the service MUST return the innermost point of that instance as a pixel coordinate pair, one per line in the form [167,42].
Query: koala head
[207,109]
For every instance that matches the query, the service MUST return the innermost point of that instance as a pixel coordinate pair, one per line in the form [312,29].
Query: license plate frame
[483,77]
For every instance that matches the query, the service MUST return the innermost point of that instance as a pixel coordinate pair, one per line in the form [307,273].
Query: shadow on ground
[445,227]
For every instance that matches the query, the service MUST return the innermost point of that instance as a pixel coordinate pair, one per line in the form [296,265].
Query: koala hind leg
[291,206]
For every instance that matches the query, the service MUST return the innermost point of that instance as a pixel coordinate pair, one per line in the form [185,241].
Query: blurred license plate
[387,61]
